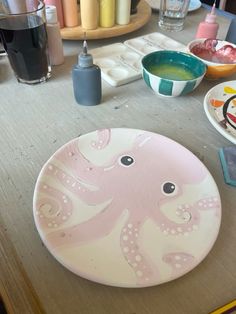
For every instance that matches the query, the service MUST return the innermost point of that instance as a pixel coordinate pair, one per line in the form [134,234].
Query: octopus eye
[169,188]
[126,161]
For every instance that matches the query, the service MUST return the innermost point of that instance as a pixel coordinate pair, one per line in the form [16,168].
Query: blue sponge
[228,162]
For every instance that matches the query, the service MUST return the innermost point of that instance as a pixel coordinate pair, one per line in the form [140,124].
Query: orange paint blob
[216,103]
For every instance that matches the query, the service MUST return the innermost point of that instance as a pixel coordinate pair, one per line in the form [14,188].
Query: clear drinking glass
[172,14]
[24,38]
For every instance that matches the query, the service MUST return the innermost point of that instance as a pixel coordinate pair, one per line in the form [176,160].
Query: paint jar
[70,12]
[123,12]
[107,13]
[55,47]
[89,12]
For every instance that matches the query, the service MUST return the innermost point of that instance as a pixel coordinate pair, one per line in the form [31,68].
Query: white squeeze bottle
[55,47]
[58,5]
[123,12]
[209,27]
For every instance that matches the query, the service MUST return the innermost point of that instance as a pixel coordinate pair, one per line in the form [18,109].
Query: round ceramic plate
[220,108]
[194,4]
[126,208]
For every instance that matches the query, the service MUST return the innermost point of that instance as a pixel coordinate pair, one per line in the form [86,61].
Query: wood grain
[137,21]
[16,289]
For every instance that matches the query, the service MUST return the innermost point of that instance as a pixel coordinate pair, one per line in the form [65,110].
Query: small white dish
[220,108]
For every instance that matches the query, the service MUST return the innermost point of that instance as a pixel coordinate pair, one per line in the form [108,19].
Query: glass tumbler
[172,14]
[24,38]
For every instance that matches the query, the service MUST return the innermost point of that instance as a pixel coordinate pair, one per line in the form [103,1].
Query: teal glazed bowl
[172,73]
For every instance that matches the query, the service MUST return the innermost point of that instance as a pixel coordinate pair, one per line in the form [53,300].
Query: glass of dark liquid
[24,38]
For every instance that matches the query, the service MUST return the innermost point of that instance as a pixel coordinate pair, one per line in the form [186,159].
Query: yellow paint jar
[107,13]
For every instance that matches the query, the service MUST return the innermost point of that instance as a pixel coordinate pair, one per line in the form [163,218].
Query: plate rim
[212,120]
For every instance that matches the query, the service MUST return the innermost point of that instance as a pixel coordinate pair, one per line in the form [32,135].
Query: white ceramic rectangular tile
[119,64]
[153,42]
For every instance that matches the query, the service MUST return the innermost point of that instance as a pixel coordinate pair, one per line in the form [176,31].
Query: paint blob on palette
[220,108]
[116,206]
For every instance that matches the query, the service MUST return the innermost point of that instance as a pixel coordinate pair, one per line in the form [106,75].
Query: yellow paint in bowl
[172,72]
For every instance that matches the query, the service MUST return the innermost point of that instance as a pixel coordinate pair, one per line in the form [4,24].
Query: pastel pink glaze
[207,51]
[137,188]
[179,261]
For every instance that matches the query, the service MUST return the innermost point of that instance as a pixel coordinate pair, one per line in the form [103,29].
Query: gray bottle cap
[85,60]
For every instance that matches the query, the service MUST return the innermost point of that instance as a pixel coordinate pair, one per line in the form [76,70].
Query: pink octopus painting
[143,176]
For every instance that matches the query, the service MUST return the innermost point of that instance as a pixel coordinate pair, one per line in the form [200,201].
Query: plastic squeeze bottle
[209,27]
[70,12]
[58,5]
[55,47]
[123,12]
[86,78]
[89,11]
[107,13]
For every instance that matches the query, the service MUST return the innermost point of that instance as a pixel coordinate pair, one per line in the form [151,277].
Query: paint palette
[119,64]
[117,207]
[220,108]
[153,42]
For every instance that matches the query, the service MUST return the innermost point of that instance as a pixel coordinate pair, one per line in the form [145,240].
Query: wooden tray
[137,21]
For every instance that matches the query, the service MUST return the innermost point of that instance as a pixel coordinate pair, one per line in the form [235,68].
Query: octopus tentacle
[180,262]
[96,227]
[188,213]
[54,209]
[78,163]
[209,203]
[132,252]
[75,186]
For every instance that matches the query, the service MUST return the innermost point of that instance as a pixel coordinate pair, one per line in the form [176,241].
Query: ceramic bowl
[215,70]
[172,73]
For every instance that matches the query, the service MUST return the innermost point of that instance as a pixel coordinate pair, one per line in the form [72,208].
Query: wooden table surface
[35,121]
